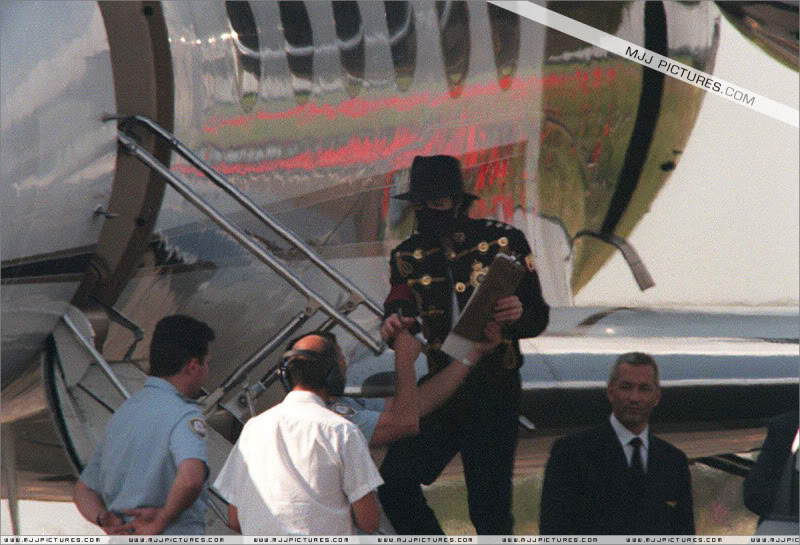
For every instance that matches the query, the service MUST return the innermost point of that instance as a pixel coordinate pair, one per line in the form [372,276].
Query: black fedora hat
[435,177]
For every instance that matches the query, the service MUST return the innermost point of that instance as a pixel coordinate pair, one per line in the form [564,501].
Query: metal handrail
[261,253]
[254,209]
[98,357]
[241,372]
[116,316]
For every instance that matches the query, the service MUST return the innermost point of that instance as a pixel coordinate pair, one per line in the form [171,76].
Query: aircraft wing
[723,371]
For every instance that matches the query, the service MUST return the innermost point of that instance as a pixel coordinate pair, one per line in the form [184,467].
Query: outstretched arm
[438,388]
[401,417]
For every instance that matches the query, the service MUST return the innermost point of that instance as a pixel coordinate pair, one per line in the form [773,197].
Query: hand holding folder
[502,279]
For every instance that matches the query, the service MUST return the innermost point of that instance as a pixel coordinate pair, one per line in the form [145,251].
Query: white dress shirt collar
[304,396]
[624,435]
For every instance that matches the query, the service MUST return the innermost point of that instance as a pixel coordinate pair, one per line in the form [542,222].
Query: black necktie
[637,468]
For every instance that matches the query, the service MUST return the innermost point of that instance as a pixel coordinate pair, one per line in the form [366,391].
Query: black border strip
[655,39]
[51,266]
[50,362]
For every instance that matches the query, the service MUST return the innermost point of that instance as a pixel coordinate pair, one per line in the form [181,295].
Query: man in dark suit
[764,492]
[618,478]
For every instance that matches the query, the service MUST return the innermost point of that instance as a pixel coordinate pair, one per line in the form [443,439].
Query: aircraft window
[402,41]
[350,34]
[454,35]
[505,39]
[248,56]
[299,46]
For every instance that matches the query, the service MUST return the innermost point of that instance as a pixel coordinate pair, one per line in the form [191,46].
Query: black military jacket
[433,273]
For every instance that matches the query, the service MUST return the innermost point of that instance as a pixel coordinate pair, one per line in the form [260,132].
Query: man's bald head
[323,343]
[312,343]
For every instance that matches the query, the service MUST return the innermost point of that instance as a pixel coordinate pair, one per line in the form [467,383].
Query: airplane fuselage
[315,111]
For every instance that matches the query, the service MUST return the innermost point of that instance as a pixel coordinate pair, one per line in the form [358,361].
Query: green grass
[585,136]
[681,105]
[448,499]
[717,497]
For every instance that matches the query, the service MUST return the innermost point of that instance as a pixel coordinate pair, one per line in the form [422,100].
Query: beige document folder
[505,274]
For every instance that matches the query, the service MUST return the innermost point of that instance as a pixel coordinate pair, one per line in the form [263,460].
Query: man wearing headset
[387,420]
[299,468]
[396,417]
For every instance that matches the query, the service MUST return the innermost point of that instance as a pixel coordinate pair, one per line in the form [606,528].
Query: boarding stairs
[87,388]
[315,302]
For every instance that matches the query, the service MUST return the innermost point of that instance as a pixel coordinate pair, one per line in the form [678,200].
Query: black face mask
[433,223]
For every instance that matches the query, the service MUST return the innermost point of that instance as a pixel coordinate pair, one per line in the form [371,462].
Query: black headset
[334,379]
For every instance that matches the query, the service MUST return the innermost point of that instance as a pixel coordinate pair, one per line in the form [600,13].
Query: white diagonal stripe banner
[653,60]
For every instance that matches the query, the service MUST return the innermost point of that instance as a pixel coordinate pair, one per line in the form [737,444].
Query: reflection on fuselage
[544,127]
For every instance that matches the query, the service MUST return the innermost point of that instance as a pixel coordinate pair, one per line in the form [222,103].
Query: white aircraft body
[311,113]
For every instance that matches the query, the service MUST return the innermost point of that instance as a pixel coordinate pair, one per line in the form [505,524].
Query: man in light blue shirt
[148,474]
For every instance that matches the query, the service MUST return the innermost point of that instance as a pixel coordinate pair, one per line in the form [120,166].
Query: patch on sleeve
[198,427]
[530,263]
[343,410]
[403,267]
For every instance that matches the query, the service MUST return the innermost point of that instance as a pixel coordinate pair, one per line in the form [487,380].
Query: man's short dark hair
[176,340]
[633,358]
[313,373]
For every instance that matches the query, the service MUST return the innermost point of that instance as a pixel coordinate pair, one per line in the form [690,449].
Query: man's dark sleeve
[401,298]
[561,492]
[535,312]
[761,484]
[686,521]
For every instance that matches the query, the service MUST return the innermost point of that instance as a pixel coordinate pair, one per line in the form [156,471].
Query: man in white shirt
[385,420]
[299,468]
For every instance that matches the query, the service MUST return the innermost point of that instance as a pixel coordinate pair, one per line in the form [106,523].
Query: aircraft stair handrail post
[97,357]
[210,403]
[215,508]
[254,209]
[119,318]
[8,448]
[262,254]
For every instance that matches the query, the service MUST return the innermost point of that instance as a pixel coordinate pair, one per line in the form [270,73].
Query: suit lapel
[611,461]
[615,455]
[618,502]
[655,458]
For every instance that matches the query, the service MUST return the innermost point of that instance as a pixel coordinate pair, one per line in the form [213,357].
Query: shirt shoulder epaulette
[408,244]
[498,227]
[486,235]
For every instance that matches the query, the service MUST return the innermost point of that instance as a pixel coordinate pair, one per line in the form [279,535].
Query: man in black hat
[433,274]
